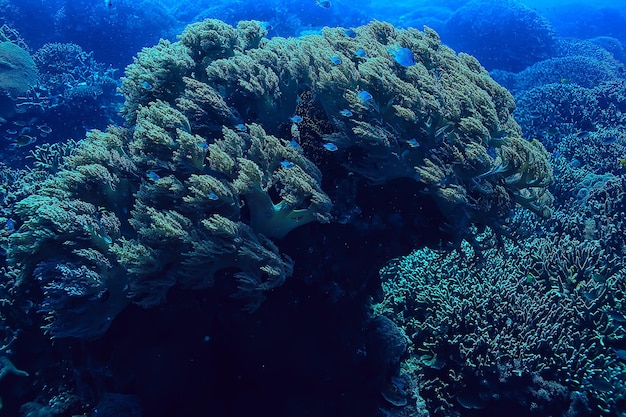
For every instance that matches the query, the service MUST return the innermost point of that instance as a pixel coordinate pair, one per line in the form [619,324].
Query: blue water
[312,208]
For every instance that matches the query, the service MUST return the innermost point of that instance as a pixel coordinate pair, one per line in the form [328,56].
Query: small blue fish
[609,140]
[575,163]
[346,113]
[287,164]
[330,147]
[324,4]
[153,176]
[212,196]
[294,144]
[203,145]
[360,53]
[241,127]
[350,33]
[295,119]
[413,143]
[9,225]
[335,60]
[146,85]
[403,56]
[364,95]
[44,128]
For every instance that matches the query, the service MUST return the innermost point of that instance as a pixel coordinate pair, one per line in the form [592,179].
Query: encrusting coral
[234,141]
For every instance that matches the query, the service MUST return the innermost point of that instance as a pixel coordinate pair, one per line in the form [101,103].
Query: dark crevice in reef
[301,355]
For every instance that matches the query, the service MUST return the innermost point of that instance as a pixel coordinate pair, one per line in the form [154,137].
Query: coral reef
[62,92]
[582,63]
[583,127]
[213,172]
[235,148]
[506,35]
[18,69]
[535,330]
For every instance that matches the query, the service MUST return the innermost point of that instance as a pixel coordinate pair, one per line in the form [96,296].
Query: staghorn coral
[62,64]
[523,330]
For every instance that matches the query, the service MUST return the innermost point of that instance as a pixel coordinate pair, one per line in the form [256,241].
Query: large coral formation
[18,69]
[234,141]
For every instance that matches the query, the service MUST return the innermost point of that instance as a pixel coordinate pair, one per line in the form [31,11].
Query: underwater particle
[364,95]
[360,53]
[286,164]
[330,147]
[403,56]
[241,127]
[413,143]
[295,119]
[346,113]
[212,196]
[350,33]
[609,140]
[153,176]
[23,140]
[324,4]
[294,144]
[146,85]
[335,60]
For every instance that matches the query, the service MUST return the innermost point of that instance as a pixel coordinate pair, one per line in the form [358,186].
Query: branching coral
[504,333]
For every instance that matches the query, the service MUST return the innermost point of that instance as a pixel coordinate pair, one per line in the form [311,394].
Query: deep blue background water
[118,29]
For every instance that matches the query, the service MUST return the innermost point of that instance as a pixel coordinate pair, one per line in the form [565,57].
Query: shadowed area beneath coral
[301,355]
